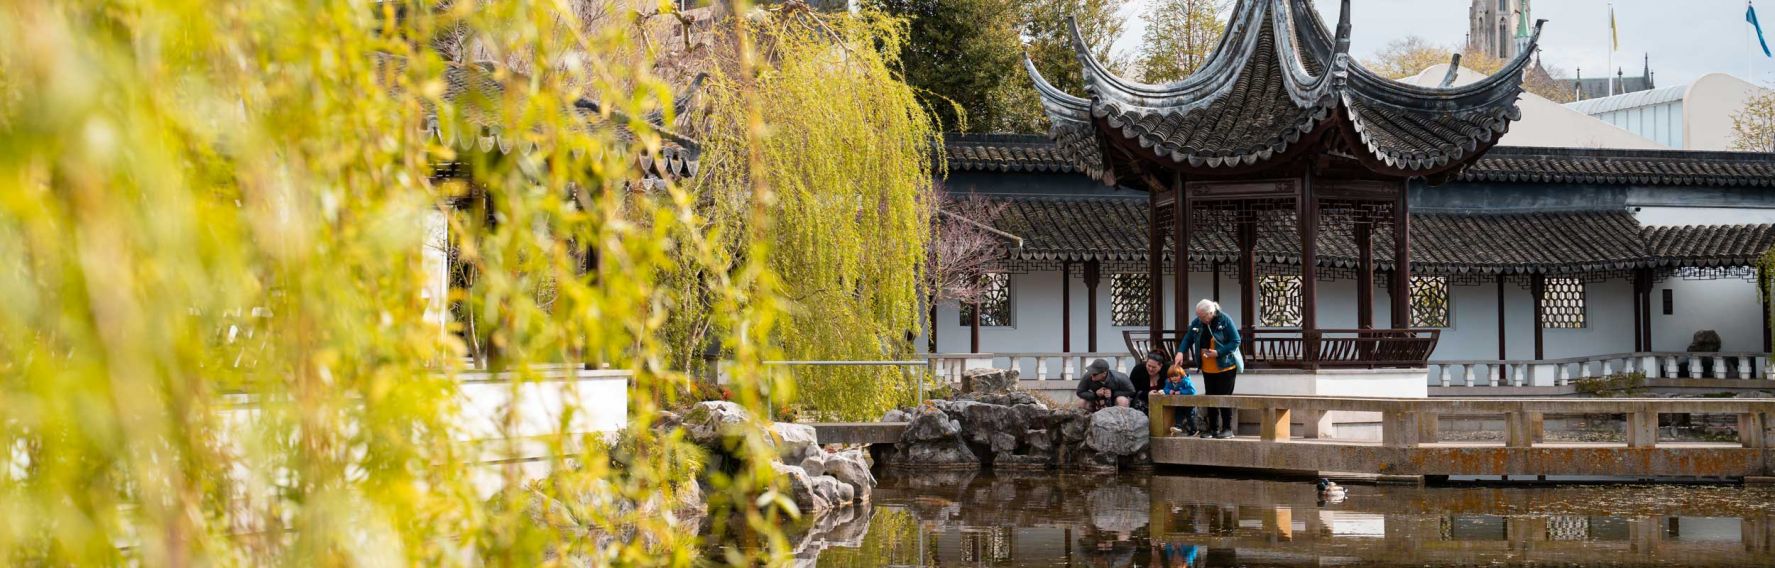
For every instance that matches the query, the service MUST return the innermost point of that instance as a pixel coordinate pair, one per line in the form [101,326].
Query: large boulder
[928,425]
[712,424]
[814,464]
[795,441]
[992,425]
[850,468]
[830,491]
[1117,431]
[896,415]
[989,380]
[801,488]
[933,439]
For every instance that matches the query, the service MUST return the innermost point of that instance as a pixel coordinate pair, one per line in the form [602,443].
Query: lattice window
[995,301]
[1429,301]
[1562,304]
[1130,299]
[1280,297]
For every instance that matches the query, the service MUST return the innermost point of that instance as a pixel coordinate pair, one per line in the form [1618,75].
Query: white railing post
[1442,372]
[1041,368]
[1744,368]
[1467,374]
[1670,367]
[1719,367]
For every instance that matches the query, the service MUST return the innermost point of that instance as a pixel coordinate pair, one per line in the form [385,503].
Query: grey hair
[1209,305]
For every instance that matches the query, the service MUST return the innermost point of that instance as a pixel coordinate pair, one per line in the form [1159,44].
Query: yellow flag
[1614,31]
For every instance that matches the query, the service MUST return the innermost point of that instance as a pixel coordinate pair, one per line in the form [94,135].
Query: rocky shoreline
[995,425]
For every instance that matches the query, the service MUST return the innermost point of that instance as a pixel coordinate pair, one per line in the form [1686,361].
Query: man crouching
[1102,387]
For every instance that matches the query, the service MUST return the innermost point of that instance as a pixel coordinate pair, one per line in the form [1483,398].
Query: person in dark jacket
[1103,387]
[1215,337]
[1149,377]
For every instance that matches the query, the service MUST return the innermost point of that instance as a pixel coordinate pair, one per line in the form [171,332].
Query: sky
[1685,38]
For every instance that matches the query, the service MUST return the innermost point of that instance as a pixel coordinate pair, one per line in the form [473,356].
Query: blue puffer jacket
[1226,340]
[1182,387]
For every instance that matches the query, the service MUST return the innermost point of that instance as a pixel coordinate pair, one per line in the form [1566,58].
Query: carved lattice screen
[995,301]
[1429,301]
[1279,300]
[1130,299]
[1562,304]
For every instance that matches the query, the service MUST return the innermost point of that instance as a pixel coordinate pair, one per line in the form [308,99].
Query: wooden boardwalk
[1410,444]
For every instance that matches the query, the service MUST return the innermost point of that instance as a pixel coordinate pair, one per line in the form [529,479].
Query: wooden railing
[1319,348]
[1410,437]
[1561,372]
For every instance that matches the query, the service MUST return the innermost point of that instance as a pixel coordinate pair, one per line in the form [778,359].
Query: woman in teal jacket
[1215,337]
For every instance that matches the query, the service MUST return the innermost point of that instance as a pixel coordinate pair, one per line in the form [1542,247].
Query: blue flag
[1750,15]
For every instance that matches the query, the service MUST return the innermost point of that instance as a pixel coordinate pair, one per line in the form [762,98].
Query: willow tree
[848,152]
[210,205]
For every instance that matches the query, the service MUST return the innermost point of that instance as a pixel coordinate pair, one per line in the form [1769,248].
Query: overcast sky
[1685,38]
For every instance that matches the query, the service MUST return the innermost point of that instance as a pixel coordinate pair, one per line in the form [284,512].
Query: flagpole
[1612,35]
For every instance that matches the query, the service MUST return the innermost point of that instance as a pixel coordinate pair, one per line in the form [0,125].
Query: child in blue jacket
[1177,383]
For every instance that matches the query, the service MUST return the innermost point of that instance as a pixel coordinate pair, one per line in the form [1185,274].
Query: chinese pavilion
[1282,131]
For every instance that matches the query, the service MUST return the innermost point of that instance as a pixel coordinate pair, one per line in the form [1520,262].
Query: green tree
[1411,55]
[1753,126]
[1049,43]
[1179,37]
[965,60]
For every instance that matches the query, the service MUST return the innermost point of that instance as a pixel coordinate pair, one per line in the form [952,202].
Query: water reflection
[1050,519]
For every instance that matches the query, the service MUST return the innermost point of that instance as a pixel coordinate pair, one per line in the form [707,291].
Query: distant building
[1500,28]
[1696,116]
[1586,88]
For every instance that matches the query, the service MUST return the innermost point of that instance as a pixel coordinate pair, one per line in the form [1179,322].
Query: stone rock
[989,380]
[849,468]
[828,491]
[1039,442]
[1118,431]
[711,423]
[1705,341]
[1003,442]
[929,425]
[896,415]
[956,409]
[938,454]
[1021,462]
[1034,415]
[814,465]
[794,441]
[801,488]
[1074,424]
[984,423]
[847,493]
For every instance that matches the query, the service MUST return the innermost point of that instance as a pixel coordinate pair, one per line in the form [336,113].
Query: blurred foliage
[217,341]
[848,155]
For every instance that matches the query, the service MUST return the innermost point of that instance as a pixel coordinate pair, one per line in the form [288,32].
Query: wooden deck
[1410,444]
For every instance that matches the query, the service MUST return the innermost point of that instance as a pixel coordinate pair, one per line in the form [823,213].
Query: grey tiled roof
[1279,84]
[1571,242]
[1024,153]
[1709,245]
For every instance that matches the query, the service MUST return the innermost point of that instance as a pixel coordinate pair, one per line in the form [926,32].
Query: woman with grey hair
[1215,338]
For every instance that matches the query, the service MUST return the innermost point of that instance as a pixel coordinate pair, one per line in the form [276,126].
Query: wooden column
[974,330]
[1645,306]
[1503,342]
[1364,274]
[1066,307]
[1307,217]
[1092,275]
[1640,316]
[1538,286]
[1155,270]
[1401,288]
[1180,238]
[1763,299]
[1215,293]
[1248,280]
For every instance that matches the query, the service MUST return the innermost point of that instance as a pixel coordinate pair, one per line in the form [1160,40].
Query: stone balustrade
[1562,372]
[1032,366]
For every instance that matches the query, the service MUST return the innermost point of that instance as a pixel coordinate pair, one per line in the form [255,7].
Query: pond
[1165,519]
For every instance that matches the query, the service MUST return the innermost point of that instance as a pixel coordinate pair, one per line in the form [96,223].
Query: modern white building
[1696,116]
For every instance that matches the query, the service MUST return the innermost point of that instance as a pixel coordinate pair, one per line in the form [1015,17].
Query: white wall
[1664,216]
[1663,122]
[1729,306]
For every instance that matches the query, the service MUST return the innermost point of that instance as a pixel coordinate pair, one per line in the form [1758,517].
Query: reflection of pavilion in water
[964,519]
